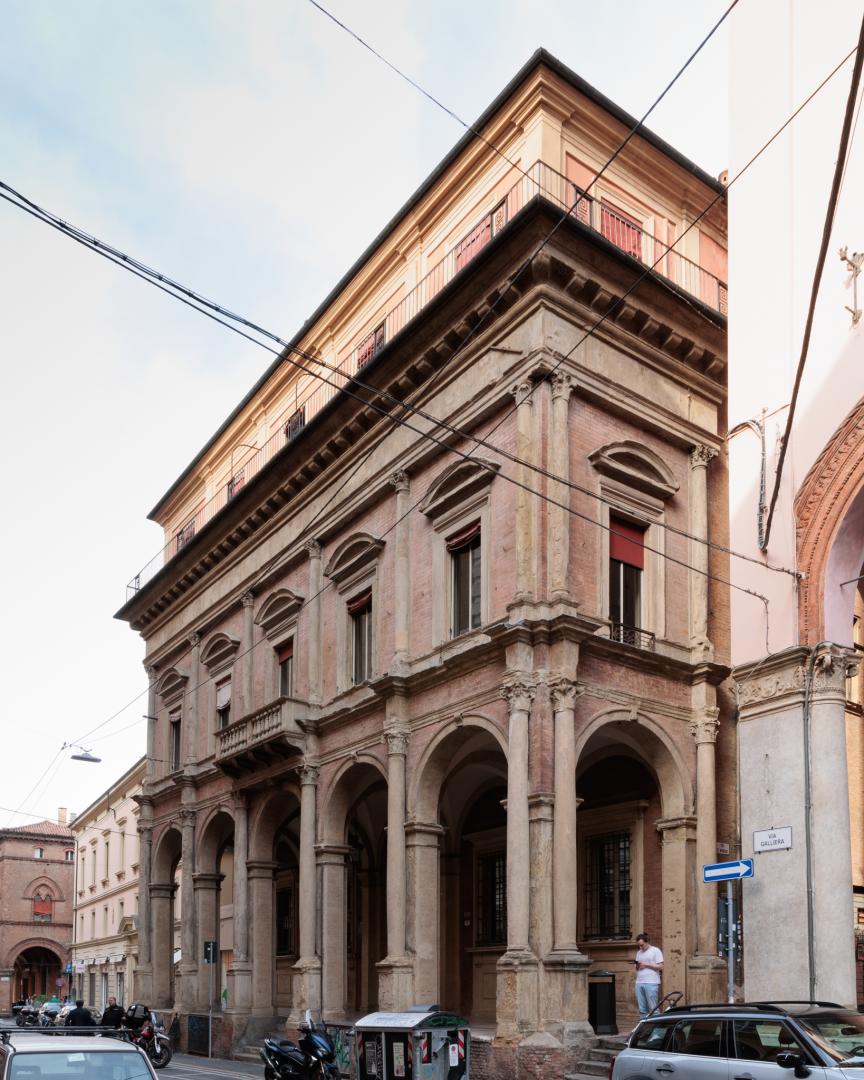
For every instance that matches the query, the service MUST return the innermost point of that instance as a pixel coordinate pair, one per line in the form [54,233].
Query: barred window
[492,899]
[607,886]
[285,932]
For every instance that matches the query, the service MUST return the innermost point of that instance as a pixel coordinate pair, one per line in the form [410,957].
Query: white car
[52,1054]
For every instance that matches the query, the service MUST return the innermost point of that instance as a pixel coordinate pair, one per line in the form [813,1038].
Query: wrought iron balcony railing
[311,394]
[632,635]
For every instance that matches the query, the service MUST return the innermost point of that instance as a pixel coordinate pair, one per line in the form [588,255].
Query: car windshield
[79,1065]
[840,1034]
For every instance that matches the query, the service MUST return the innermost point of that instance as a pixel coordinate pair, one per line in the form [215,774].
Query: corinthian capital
[521,392]
[308,774]
[399,480]
[152,675]
[518,690]
[563,692]
[705,726]
[701,456]
[397,743]
[562,385]
[247,599]
[314,549]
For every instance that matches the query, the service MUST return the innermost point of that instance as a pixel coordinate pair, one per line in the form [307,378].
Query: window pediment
[353,555]
[277,610]
[171,684]
[636,466]
[458,483]
[219,651]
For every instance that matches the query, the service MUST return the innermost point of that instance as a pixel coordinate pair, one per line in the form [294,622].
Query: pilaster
[396,971]
[700,644]
[313,611]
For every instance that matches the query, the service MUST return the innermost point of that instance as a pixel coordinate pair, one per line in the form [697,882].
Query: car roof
[33,1044]
[758,1008]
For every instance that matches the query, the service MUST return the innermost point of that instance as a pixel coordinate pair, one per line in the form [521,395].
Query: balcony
[263,737]
[632,635]
[539,180]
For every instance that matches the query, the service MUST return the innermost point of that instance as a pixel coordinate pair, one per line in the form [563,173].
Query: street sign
[727,871]
[772,839]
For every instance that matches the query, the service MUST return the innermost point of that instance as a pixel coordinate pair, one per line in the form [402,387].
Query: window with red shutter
[474,242]
[626,564]
[622,230]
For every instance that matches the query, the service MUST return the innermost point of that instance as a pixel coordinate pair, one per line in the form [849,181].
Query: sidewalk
[194,1063]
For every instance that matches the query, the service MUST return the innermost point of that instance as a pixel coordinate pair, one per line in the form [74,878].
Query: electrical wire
[26,798]
[830,212]
[539,494]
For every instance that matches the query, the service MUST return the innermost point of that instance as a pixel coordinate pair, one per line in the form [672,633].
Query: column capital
[518,690]
[397,743]
[563,692]
[705,726]
[241,802]
[247,599]
[194,640]
[522,392]
[313,547]
[152,674]
[145,834]
[562,385]
[701,456]
[399,480]
[187,817]
[308,775]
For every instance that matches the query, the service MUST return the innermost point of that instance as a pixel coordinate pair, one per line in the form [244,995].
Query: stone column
[260,874]
[704,730]
[190,713]
[396,970]
[564,875]
[161,906]
[524,524]
[517,1000]
[307,984]
[313,609]
[144,972]
[402,571]
[423,861]
[558,519]
[206,888]
[246,643]
[240,993]
[188,920]
[151,725]
[678,869]
[331,860]
[700,643]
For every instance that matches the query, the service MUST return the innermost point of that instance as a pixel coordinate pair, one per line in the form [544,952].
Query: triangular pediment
[636,466]
[457,484]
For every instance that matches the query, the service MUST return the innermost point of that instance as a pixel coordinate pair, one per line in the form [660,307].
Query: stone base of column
[517,998]
[186,990]
[306,985]
[395,983]
[144,982]
[565,999]
[240,987]
[706,979]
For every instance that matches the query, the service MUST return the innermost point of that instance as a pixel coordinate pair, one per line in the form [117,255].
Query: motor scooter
[314,1056]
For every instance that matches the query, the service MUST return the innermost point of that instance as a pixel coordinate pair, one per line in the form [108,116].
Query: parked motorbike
[314,1055]
[27,1016]
[146,1031]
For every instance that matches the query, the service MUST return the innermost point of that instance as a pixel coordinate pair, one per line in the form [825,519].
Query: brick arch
[19,947]
[44,882]
[821,505]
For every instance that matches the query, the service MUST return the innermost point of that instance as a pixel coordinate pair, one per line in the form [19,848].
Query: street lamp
[82,755]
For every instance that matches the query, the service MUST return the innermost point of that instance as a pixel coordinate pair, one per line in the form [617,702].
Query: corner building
[430,725]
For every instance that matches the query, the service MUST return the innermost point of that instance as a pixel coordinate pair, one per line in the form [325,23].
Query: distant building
[799,686]
[37,864]
[105,947]
[420,735]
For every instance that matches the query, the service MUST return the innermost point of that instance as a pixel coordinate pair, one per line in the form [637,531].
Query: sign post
[729,872]
[210,960]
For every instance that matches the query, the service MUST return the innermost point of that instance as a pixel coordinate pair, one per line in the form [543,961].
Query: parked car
[758,1040]
[63,1053]
[60,1018]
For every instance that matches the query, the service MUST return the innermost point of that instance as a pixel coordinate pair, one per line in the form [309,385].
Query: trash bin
[601,1002]
[416,1045]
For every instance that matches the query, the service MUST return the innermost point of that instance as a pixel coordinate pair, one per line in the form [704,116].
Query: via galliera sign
[772,839]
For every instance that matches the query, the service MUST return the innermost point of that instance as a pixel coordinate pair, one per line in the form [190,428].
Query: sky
[251,151]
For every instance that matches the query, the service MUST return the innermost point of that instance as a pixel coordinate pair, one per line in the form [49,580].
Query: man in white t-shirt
[649,964]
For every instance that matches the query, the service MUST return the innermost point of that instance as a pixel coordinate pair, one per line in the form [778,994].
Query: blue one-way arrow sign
[728,871]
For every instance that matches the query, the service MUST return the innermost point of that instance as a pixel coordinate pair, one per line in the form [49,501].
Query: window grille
[492,899]
[607,886]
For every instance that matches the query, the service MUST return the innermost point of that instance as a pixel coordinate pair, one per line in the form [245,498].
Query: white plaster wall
[780,51]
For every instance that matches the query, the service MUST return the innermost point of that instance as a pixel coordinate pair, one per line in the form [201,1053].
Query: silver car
[66,1054]
[756,1041]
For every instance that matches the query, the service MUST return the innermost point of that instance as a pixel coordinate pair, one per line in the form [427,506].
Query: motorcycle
[27,1016]
[314,1055]
[146,1030]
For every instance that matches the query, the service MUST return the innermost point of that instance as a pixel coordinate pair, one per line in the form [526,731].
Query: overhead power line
[538,494]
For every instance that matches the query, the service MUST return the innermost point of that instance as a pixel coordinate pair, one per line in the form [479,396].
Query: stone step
[590,1069]
[246,1054]
[581,1076]
[612,1042]
[601,1053]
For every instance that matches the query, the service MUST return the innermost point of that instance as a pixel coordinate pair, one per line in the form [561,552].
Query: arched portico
[353,858]
[165,913]
[36,964]
[214,893]
[457,852]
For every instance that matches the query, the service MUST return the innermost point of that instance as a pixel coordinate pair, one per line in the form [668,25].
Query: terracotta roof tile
[41,828]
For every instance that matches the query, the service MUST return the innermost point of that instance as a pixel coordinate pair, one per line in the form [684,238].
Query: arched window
[43,907]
